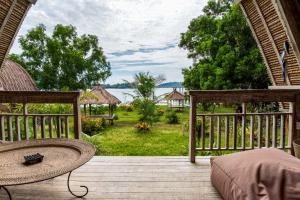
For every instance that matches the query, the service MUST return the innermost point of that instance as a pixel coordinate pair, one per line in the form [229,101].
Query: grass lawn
[122,139]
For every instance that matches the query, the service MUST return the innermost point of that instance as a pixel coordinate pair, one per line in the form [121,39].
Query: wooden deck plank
[128,178]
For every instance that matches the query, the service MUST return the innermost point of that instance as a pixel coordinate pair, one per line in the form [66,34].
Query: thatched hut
[175,99]
[13,77]
[100,96]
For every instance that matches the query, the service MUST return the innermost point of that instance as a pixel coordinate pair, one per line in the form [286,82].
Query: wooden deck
[161,178]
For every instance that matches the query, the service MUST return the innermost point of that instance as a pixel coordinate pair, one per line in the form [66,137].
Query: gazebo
[100,96]
[175,99]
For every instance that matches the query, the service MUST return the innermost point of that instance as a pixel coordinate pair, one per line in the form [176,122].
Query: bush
[160,112]
[126,107]
[143,127]
[147,111]
[92,126]
[172,117]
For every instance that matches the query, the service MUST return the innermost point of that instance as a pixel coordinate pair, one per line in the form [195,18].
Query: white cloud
[148,29]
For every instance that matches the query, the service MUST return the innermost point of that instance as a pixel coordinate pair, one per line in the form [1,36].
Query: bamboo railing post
[203,132]
[212,132]
[234,132]
[219,131]
[77,118]
[67,127]
[244,125]
[26,129]
[259,131]
[17,124]
[282,131]
[227,132]
[252,132]
[267,131]
[58,122]
[43,127]
[50,126]
[10,129]
[2,129]
[291,134]
[274,132]
[192,139]
[35,127]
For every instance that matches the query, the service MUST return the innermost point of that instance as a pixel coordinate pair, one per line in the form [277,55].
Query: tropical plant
[172,117]
[144,85]
[147,111]
[62,60]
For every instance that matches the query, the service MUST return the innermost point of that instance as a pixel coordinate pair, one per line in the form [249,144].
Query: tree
[62,60]
[224,53]
[144,85]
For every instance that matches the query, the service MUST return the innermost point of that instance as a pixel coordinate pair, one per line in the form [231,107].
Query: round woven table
[61,156]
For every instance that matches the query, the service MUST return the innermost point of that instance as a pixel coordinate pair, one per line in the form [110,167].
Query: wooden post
[26,130]
[90,106]
[192,140]
[244,110]
[292,131]
[77,119]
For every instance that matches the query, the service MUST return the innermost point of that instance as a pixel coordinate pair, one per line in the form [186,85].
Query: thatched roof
[13,77]
[174,95]
[12,14]
[274,23]
[103,97]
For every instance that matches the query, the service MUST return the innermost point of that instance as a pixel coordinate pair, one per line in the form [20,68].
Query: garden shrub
[143,127]
[172,117]
[126,107]
[147,111]
[92,126]
[160,112]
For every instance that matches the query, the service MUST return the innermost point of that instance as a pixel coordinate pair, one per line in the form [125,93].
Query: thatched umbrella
[99,96]
[13,77]
[173,97]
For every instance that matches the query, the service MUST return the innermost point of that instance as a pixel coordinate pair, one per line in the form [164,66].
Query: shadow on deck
[162,178]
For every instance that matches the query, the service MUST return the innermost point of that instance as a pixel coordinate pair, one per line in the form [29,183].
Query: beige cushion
[257,174]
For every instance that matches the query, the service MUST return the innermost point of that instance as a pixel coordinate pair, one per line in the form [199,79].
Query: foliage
[92,126]
[144,85]
[62,60]
[172,117]
[147,111]
[92,140]
[160,112]
[47,108]
[224,52]
[126,107]
[143,127]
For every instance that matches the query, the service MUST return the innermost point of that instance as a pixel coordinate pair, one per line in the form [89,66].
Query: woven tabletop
[60,157]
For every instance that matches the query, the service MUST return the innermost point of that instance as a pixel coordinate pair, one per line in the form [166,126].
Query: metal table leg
[78,196]
[7,192]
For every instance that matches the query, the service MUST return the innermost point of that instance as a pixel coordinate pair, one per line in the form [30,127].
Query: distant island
[128,85]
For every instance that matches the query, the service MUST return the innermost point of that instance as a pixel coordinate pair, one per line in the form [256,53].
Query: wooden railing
[245,130]
[25,126]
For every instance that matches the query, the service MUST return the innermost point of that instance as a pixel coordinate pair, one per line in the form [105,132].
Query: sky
[136,35]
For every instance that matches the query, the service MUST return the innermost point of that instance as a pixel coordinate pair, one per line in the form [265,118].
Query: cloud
[136,35]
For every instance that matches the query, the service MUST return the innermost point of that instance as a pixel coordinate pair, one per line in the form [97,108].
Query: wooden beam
[7,16]
[277,52]
[240,96]
[286,25]
[259,45]
[16,32]
[192,138]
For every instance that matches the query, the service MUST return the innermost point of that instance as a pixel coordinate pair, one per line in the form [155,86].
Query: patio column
[192,140]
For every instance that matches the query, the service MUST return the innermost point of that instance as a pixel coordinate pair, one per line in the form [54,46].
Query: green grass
[122,139]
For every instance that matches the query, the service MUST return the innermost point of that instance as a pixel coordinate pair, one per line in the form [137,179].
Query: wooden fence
[245,130]
[24,126]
